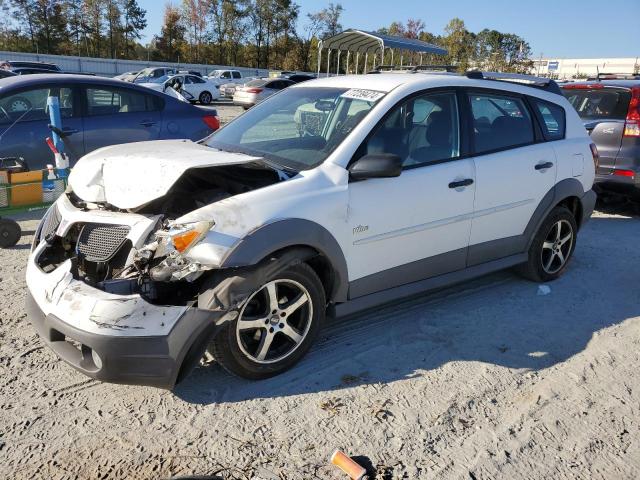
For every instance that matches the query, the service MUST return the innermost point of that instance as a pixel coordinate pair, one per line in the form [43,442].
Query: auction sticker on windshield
[362,94]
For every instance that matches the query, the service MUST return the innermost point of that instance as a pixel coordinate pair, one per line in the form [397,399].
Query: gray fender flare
[292,232]
[569,187]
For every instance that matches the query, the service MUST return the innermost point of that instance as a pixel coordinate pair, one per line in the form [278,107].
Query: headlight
[185,236]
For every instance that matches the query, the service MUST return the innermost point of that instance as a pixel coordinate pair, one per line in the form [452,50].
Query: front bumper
[112,337]
[157,361]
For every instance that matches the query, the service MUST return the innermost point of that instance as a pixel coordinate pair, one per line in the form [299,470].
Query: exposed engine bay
[103,255]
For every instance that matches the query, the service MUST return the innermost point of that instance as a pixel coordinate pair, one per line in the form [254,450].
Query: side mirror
[378,165]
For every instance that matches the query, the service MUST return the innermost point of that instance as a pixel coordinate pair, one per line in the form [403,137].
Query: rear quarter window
[553,119]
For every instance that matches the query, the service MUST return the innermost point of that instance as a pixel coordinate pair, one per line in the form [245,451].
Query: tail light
[632,123]
[596,155]
[624,173]
[253,90]
[212,121]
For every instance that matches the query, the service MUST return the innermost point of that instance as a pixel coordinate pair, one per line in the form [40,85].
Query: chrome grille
[100,242]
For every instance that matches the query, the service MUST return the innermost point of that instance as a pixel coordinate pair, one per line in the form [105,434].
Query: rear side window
[553,119]
[599,102]
[500,122]
[236,75]
[107,101]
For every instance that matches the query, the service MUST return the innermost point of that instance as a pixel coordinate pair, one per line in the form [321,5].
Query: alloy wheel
[557,246]
[274,321]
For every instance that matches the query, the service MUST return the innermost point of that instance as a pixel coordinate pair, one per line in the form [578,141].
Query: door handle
[543,166]
[147,123]
[70,131]
[461,183]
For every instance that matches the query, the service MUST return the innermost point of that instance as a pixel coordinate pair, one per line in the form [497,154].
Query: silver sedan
[256,91]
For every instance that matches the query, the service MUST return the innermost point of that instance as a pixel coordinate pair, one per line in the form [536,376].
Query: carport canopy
[360,41]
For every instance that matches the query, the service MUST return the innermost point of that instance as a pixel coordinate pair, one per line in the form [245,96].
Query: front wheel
[205,98]
[276,326]
[552,247]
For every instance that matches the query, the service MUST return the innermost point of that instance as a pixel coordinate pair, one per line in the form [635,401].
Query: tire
[238,346]
[10,233]
[551,249]
[205,98]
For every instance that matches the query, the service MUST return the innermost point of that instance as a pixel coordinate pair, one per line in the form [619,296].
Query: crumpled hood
[131,175]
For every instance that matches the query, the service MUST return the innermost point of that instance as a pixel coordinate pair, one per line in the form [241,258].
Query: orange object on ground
[348,466]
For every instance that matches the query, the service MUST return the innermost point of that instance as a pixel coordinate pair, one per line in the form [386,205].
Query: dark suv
[610,110]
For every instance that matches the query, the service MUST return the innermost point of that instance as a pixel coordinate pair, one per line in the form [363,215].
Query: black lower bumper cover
[158,361]
[588,204]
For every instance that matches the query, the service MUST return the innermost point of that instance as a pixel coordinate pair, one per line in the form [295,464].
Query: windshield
[599,102]
[298,128]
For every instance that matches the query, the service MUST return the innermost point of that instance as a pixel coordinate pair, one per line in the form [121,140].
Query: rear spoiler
[541,83]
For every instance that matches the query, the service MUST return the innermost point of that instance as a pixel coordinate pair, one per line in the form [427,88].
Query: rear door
[114,115]
[513,173]
[603,111]
[24,120]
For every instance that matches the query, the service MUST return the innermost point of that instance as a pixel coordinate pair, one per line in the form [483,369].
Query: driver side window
[421,131]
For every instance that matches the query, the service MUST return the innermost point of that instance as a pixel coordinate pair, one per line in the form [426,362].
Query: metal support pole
[348,53]
[392,57]
[382,56]
[319,59]
[338,64]
[366,59]
[401,60]
[420,58]
[357,61]
[328,59]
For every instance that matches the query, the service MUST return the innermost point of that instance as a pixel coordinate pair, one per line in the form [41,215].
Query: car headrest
[439,129]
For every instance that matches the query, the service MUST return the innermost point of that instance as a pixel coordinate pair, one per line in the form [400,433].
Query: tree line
[251,33]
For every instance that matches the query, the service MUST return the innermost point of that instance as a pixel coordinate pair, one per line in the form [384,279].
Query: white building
[583,67]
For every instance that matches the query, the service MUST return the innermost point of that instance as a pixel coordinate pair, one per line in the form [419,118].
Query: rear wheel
[205,98]
[552,247]
[276,326]
[9,233]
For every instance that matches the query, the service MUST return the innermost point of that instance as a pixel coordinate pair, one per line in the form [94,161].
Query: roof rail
[546,84]
[434,68]
[413,68]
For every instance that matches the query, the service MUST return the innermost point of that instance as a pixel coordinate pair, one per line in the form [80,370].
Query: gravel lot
[485,380]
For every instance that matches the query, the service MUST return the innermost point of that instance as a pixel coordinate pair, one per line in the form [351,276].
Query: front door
[417,225]
[24,120]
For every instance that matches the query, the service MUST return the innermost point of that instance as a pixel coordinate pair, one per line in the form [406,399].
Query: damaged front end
[117,292]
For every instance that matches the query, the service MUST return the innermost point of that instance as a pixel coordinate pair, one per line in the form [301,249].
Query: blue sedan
[96,112]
